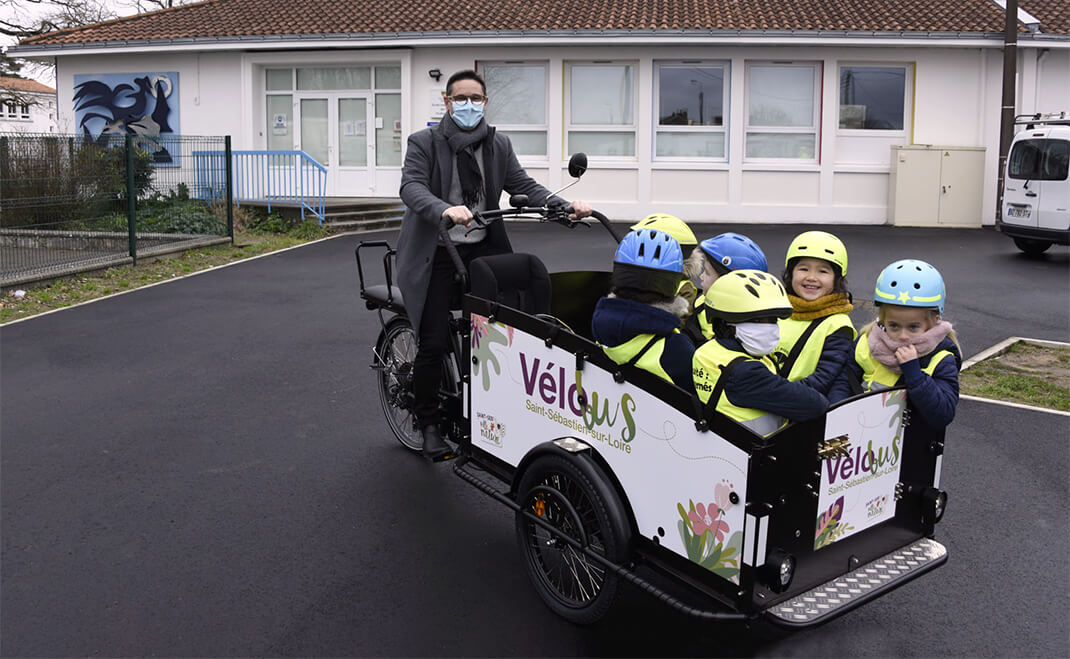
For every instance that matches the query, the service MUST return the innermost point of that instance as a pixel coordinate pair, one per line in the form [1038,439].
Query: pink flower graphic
[722,494]
[479,329]
[707,518]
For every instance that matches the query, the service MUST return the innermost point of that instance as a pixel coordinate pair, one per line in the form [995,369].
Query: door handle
[1030,194]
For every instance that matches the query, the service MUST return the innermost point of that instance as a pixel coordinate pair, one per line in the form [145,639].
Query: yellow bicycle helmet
[818,245]
[671,225]
[743,295]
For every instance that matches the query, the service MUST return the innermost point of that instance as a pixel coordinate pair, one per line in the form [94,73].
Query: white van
[1036,189]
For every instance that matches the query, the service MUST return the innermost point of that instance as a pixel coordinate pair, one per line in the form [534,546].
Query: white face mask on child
[758,338]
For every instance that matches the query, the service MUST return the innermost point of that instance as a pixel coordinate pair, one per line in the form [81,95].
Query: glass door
[333,129]
[355,173]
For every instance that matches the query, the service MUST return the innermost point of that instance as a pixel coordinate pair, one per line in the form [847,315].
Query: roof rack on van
[1031,120]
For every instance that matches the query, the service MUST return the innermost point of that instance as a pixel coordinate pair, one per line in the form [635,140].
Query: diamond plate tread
[860,584]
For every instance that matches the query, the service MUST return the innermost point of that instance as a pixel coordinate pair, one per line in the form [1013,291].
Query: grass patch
[90,285]
[1026,373]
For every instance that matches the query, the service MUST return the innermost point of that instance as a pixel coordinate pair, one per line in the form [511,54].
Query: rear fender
[588,460]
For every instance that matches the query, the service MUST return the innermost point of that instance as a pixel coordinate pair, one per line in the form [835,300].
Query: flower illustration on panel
[829,525]
[703,530]
[484,335]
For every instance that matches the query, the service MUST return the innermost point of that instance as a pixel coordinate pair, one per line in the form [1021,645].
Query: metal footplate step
[859,585]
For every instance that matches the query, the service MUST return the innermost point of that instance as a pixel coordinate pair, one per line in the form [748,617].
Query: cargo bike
[610,469]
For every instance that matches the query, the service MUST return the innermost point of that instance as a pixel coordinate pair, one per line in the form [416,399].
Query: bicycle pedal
[444,458]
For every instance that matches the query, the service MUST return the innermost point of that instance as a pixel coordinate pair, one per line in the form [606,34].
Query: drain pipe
[1010,71]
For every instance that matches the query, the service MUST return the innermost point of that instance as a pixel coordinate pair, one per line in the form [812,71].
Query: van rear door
[1021,190]
[1054,211]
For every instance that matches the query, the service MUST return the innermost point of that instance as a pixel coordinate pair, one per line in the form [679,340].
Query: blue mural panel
[144,105]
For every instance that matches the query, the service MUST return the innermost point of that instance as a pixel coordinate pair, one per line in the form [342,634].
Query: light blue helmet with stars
[910,283]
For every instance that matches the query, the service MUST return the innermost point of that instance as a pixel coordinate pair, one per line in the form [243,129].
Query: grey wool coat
[425,184]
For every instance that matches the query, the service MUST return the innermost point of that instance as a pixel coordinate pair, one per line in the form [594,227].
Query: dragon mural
[144,105]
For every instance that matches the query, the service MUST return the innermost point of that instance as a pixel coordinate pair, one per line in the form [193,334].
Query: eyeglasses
[461,98]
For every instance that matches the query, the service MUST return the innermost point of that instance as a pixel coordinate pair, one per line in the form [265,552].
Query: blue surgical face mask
[467,115]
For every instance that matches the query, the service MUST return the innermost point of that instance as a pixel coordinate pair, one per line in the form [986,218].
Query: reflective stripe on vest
[876,376]
[791,330]
[709,362]
[649,361]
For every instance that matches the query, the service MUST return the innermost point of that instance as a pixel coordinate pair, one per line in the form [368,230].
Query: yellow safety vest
[790,332]
[709,363]
[700,316]
[649,360]
[876,376]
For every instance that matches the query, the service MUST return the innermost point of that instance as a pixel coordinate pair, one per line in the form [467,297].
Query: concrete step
[375,224]
[333,215]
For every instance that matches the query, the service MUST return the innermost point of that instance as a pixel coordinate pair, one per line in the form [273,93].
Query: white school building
[713,110]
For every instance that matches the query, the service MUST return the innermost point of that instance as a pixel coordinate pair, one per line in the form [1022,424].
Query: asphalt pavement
[201,468]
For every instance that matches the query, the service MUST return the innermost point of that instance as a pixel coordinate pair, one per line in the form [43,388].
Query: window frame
[908,99]
[723,129]
[544,128]
[817,67]
[633,127]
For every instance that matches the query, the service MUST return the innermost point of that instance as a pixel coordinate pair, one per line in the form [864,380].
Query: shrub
[271,223]
[63,180]
[309,230]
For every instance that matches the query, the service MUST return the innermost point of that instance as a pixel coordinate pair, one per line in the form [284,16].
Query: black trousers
[443,294]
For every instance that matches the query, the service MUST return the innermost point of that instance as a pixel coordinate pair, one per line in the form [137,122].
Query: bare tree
[29,18]
[21,19]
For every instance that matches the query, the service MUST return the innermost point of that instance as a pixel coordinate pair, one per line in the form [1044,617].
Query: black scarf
[463,144]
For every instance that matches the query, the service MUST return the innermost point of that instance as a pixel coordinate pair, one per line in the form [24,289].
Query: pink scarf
[883,348]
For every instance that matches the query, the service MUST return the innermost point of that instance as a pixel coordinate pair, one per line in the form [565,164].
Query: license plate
[1017,212]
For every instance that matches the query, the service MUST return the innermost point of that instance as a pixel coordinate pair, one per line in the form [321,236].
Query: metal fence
[70,203]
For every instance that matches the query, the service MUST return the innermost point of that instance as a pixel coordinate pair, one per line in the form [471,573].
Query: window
[279,116]
[691,102]
[25,111]
[388,77]
[518,103]
[323,78]
[1040,160]
[782,111]
[279,79]
[872,97]
[600,112]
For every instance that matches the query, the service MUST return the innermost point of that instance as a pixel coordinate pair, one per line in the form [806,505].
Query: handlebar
[555,214]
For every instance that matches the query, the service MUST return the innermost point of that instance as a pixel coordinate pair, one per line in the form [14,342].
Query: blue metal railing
[267,177]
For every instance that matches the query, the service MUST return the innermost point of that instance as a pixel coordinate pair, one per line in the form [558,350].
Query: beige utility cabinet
[936,185]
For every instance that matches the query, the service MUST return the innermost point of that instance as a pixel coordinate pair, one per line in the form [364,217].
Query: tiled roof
[23,85]
[252,18]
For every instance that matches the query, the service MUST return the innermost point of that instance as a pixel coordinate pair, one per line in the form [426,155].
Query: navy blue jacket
[934,398]
[618,320]
[750,384]
[837,351]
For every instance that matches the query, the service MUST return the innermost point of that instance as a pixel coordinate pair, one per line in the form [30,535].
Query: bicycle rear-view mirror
[577,165]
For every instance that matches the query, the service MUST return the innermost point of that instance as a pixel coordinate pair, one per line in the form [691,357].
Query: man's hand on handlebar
[460,215]
[580,209]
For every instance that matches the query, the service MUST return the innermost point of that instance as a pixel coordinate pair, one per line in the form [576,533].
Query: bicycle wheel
[395,355]
[575,587]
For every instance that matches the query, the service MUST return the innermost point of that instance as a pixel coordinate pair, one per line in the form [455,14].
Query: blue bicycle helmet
[910,283]
[648,260]
[732,251]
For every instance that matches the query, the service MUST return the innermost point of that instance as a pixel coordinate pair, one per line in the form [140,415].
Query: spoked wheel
[396,353]
[573,501]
